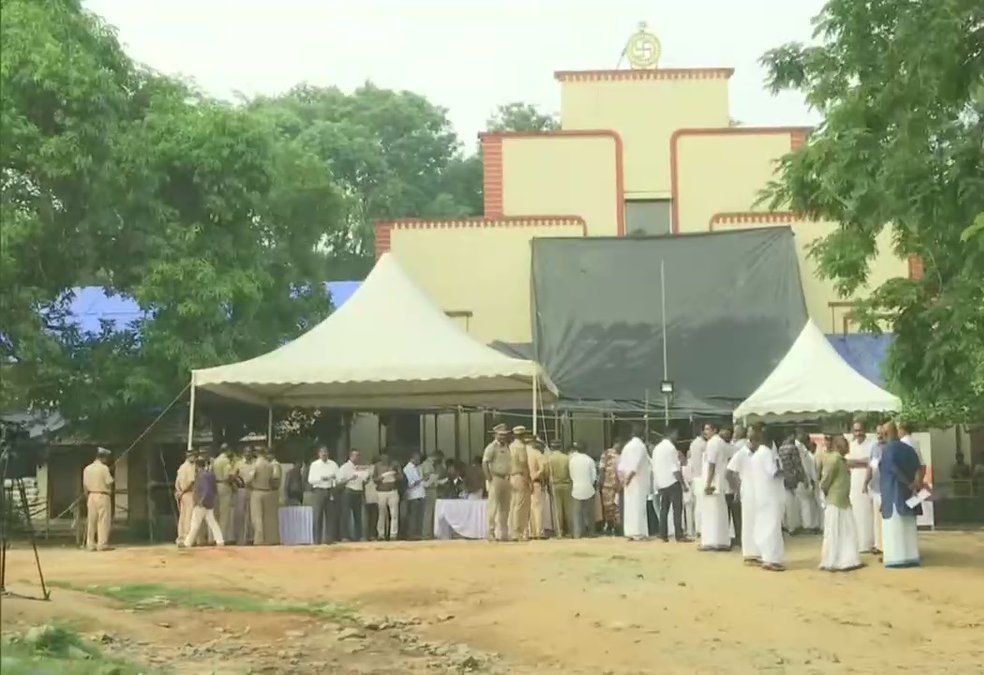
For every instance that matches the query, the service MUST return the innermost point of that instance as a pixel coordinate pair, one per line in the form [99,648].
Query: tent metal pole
[666,365]
[270,426]
[191,413]
[534,402]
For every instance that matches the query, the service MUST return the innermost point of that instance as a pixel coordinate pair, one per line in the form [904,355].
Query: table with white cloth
[461,518]
[296,525]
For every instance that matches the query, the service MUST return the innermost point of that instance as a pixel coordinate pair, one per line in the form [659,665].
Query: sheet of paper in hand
[918,498]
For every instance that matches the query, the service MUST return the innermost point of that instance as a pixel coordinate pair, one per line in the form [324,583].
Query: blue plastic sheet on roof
[91,305]
[866,352]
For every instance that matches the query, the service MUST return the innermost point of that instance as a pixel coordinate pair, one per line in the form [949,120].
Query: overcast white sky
[465,55]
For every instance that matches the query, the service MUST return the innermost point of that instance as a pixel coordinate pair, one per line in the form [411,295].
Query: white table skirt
[296,525]
[464,517]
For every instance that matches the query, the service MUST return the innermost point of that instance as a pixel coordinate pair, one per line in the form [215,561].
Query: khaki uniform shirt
[537,463]
[497,459]
[276,474]
[261,477]
[97,478]
[184,481]
[519,464]
[558,468]
[222,468]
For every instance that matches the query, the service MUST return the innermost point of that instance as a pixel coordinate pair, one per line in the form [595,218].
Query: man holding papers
[901,477]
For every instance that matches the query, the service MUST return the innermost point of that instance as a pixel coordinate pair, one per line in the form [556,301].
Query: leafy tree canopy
[900,84]
[518,116]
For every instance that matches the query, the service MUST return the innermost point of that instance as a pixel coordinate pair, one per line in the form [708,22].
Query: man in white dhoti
[695,462]
[767,485]
[634,471]
[901,472]
[739,475]
[806,493]
[714,531]
[873,487]
[794,475]
[839,552]
[858,460]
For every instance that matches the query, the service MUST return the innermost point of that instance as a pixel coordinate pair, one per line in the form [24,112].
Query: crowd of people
[729,488]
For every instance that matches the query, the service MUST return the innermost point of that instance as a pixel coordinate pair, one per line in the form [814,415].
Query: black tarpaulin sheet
[734,306]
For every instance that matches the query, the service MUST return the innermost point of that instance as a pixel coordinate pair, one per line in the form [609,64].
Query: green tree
[394,154]
[900,84]
[518,116]
[198,210]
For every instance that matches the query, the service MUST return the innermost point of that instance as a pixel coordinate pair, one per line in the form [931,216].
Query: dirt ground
[591,606]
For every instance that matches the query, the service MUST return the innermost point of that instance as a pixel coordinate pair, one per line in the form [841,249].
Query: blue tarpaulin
[92,304]
[866,352]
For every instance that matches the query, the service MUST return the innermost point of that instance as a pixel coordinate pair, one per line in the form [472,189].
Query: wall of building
[722,170]
[819,293]
[575,173]
[645,107]
[479,266]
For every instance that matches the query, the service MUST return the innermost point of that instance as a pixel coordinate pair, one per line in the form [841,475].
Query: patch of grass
[56,650]
[159,596]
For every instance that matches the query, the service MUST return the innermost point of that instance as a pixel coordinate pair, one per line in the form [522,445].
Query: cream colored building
[640,151]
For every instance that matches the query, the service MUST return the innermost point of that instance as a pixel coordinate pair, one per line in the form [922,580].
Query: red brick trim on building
[495,164]
[492,175]
[796,135]
[384,228]
[635,75]
[916,270]
[768,217]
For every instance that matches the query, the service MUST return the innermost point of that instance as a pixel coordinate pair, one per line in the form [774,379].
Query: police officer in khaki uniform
[497,462]
[260,483]
[271,512]
[184,483]
[559,473]
[97,481]
[519,482]
[534,454]
[222,467]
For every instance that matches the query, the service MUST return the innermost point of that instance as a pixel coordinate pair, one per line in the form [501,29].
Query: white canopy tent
[813,380]
[388,347]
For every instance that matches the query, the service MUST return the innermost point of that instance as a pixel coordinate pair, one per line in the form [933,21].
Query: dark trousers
[671,496]
[734,511]
[652,517]
[584,517]
[415,518]
[325,516]
[372,517]
[352,514]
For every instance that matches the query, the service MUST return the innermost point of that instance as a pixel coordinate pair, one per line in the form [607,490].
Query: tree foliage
[900,84]
[518,116]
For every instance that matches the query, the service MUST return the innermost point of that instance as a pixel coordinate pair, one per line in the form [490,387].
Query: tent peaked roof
[388,346]
[813,380]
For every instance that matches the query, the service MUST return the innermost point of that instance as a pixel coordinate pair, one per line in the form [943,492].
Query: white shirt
[415,483]
[634,457]
[911,442]
[695,458]
[716,453]
[740,462]
[354,477]
[323,473]
[666,464]
[584,473]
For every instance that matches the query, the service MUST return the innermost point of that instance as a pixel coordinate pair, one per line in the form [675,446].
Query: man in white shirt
[668,482]
[769,490]
[323,476]
[584,475]
[695,461]
[714,533]
[352,477]
[858,460]
[739,473]
[634,470]
[730,498]
[415,497]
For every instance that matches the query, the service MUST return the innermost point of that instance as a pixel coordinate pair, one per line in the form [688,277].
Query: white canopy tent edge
[388,347]
[811,381]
